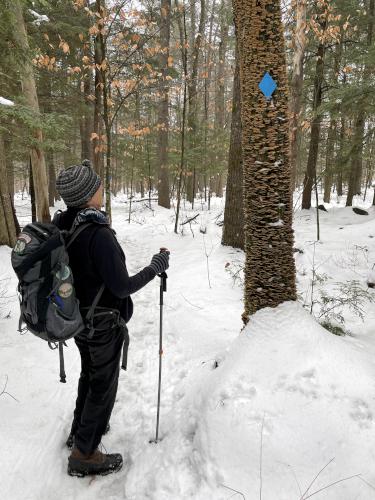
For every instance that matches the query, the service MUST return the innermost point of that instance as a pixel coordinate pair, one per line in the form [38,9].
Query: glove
[160,262]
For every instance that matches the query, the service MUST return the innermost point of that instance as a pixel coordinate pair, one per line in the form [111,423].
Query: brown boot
[95,463]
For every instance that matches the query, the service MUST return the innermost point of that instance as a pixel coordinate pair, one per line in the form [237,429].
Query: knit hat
[78,184]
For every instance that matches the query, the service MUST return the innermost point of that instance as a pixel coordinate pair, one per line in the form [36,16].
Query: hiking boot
[81,465]
[70,441]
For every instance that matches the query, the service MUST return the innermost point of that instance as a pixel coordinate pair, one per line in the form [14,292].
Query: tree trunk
[183,38]
[299,47]
[220,89]
[355,173]
[192,100]
[31,98]
[233,230]
[310,175]
[165,31]
[329,169]
[32,193]
[51,179]
[86,125]
[7,220]
[356,165]
[268,204]
[97,153]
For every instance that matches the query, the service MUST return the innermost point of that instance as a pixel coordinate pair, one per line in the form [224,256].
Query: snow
[6,102]
[40,18]
[265,407]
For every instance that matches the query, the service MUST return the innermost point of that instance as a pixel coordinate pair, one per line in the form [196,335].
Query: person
[97,261]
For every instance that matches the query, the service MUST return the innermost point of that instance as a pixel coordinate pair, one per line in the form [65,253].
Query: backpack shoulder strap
[72,235]
[91,311]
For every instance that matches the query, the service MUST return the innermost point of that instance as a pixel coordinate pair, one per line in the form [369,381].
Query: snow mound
[6,102]
[300,390]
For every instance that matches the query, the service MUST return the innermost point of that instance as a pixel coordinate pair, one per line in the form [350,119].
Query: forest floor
[275,412]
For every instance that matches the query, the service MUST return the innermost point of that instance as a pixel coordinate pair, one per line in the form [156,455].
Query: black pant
[97,386]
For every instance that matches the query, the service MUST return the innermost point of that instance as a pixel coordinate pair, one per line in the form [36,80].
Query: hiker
[96,259]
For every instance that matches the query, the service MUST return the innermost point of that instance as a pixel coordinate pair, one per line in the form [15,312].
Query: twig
[198,307]
[235,491]
[190,220]
[4,391]
[207,263]
[366,482]
[331,484]
[315,478]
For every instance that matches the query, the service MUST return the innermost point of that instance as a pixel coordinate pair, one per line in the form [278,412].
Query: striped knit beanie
[77,184]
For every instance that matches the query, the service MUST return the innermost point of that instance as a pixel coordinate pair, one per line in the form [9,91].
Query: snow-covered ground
[277,411]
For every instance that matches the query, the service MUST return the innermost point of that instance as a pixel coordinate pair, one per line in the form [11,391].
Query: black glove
[160,262]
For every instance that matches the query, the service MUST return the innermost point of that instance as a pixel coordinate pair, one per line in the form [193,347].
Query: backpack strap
[62,364]
[73,234]
[90,314]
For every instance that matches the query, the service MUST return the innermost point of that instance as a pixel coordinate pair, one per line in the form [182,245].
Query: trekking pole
[163,288]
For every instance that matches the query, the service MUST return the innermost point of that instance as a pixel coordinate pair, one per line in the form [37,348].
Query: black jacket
[96,257]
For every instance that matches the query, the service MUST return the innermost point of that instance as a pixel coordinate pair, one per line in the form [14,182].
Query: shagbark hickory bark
[29,91]
[269,267]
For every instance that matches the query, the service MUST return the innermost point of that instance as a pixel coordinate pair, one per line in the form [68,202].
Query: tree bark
[355,173]
[29,90]
[7,218]
[268,205]
[329,168]
[97,153]
[233,230]
[356,165]
[192,101]
[299,47]
[220,89]
[310,175]
[165,32]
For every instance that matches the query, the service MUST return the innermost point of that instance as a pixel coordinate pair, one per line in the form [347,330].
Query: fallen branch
[4,391]
[190,220]
[235,492]
[142,199]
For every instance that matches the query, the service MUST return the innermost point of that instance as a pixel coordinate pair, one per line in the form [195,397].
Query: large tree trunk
[105,89]
[310,176]
[299,47]
[268,205]
[165,32]
[31,98]
[233,230]
[7,219]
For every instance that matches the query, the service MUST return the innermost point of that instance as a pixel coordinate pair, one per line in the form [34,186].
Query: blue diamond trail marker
[268,85]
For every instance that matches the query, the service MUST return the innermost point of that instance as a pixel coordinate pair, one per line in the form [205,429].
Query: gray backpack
[49,307]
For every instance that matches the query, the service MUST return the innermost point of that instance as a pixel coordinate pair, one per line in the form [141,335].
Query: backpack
[48,304]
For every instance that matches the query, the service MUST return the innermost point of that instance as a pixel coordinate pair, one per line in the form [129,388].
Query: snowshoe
[70,441]
[97,463]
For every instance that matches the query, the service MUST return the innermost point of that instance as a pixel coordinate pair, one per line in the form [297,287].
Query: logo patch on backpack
[65,290]
[22,240]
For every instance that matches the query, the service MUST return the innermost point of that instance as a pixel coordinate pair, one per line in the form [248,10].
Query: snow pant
[97,386]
